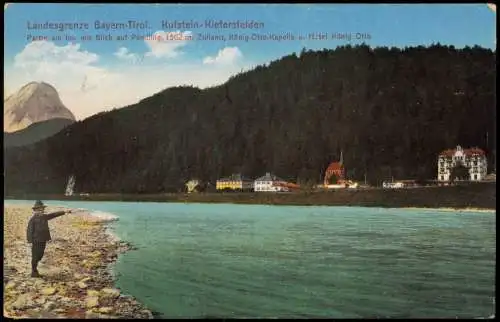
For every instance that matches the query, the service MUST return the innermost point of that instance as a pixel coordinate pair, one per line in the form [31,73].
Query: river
[224,260]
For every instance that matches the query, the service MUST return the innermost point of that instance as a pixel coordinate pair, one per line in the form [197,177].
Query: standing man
[38,233]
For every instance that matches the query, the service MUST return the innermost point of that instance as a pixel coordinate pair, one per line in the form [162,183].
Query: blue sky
[387,25]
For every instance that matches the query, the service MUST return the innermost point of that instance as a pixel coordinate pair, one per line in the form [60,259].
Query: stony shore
[76,282]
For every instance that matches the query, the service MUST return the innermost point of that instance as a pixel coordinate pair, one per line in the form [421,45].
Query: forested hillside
[35,132]
[390,111]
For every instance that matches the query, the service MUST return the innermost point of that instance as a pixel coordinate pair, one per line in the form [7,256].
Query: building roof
[473,151]
[335,166]
[269,177]
[468,152]
[235,177]
[286,185]
[447,153]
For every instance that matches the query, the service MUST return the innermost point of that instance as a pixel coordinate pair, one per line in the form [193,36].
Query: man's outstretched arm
[56,214]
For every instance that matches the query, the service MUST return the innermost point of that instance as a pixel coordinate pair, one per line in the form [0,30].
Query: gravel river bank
[77,280]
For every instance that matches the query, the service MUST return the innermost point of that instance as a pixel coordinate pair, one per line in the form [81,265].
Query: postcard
[249,160]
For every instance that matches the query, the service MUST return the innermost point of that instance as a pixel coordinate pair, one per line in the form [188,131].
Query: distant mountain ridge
[34,102]
[35,132]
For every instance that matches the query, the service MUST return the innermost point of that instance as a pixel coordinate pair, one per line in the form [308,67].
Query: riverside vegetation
[476,195]
[76,283]
[390,110]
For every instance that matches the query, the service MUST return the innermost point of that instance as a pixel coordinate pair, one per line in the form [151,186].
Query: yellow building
[234,182]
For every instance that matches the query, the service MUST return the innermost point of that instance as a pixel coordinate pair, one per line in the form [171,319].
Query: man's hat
[39,204]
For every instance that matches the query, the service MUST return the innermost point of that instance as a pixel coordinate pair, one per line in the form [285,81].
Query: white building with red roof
[473,159]
[272,183]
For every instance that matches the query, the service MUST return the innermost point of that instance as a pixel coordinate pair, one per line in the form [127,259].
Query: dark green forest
[390,110]
[35,132]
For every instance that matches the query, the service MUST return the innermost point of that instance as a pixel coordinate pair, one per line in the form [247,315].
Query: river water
[223,260]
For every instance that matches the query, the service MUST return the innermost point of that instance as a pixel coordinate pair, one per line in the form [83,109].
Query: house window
[442,177]
[475,177]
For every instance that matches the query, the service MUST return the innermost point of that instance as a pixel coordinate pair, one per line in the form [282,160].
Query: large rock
[86,279]
[110,293]
[92,301]
[23,301]
[94,315]
[48,291]
[105,310]
[95,254]
[82,285]
[10,285]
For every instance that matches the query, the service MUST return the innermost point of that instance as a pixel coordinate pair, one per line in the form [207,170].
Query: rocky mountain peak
[34,102]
